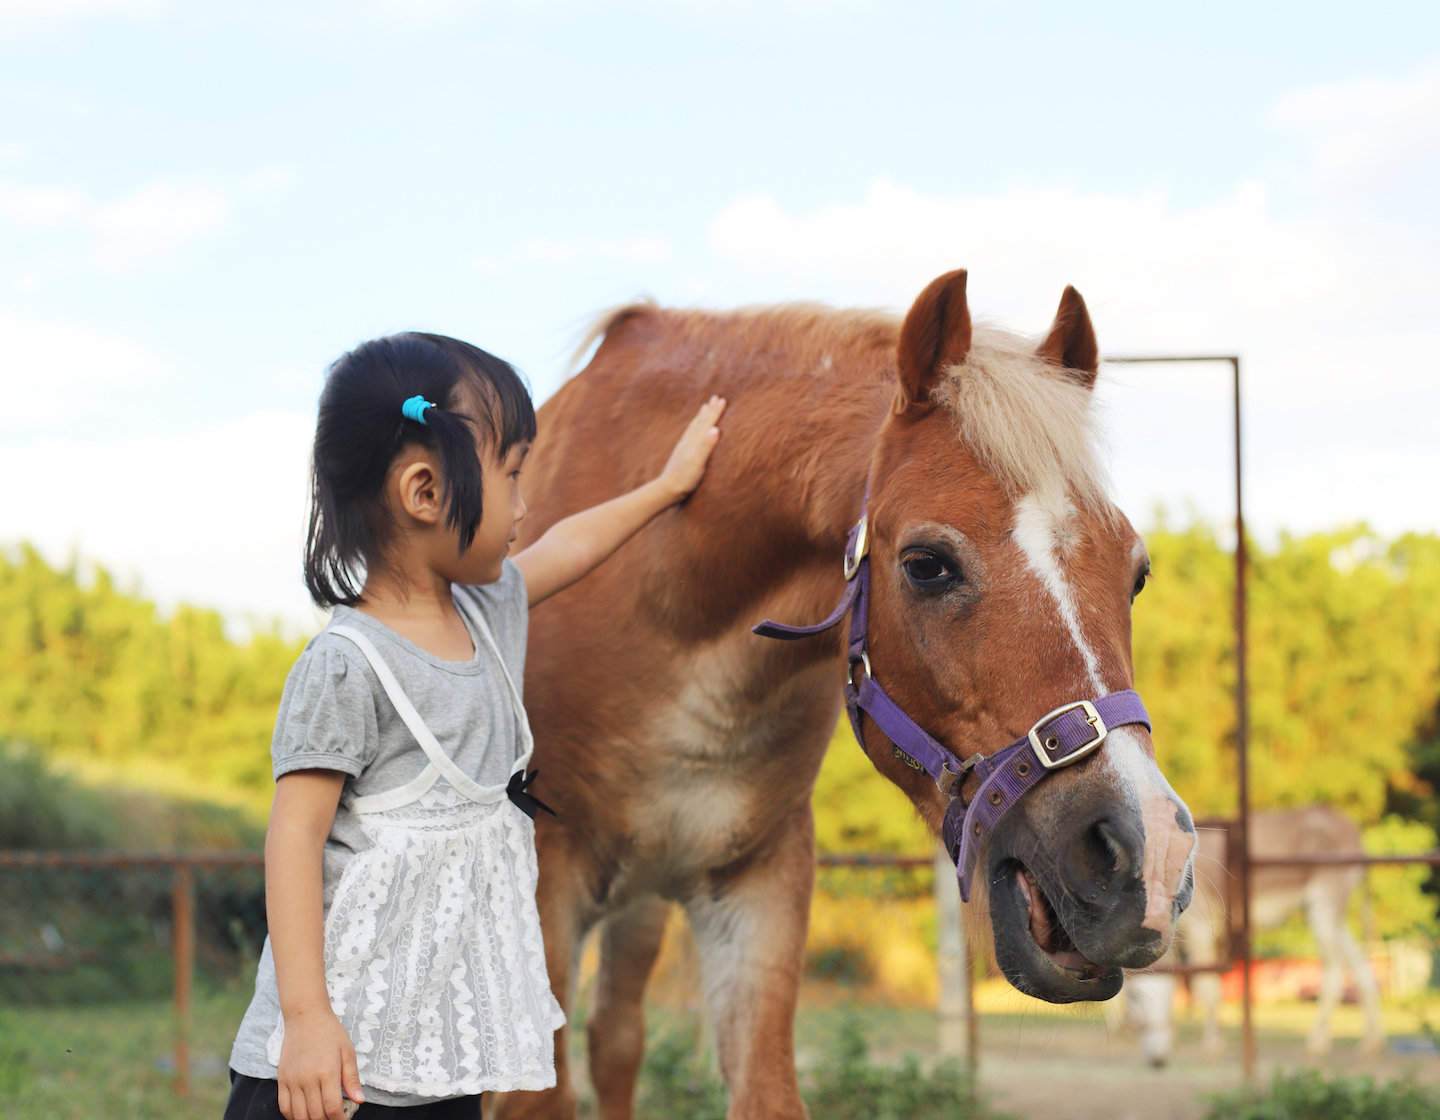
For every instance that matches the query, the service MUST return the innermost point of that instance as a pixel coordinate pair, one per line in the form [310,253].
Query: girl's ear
[418,491]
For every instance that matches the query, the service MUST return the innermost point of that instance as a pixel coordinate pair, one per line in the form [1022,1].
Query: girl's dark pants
[254,1099]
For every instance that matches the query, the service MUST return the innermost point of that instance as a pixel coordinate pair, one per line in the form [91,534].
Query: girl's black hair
[361,430]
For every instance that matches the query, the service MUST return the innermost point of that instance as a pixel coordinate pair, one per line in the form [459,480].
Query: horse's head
[1002,578]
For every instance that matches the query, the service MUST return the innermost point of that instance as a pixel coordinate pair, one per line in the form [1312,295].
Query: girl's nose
[519,507]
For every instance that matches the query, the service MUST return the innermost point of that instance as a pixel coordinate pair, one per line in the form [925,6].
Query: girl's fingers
[350,1077]
[282,1098]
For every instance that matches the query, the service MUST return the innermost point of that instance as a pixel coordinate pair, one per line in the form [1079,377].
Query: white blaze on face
[1043,530]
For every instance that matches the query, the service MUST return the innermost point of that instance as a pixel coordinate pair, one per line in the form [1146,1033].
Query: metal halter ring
[1092,717]
[863,660]
[862,547]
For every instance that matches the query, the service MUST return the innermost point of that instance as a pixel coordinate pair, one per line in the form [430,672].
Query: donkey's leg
[629,943]
[1152,1000]
[1202,927]
[1327,923]
[1374,1039]
[751,936]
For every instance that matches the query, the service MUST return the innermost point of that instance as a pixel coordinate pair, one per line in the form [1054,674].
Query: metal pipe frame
[1242,694]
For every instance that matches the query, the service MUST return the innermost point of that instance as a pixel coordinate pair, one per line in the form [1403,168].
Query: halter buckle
[862,547]
[1044,751]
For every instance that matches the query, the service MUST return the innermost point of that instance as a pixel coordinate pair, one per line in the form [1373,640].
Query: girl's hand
[686,466]
[317,1060]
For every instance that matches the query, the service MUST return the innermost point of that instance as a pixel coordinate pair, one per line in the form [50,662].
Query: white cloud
[575,251]
[1364,133]
[214,517]
[52,371]
[19,17]
[1330,302]
[140,231]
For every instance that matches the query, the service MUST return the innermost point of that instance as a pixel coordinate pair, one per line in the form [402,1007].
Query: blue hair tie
[414,409]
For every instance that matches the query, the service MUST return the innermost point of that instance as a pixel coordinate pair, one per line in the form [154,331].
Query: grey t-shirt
[334,715]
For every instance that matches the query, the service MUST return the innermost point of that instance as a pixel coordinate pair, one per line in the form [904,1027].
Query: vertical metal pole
[183,947]
[952,1027]
[1242,751]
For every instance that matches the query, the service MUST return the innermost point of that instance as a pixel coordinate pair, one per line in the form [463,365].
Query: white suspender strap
[527,740]
[440,762]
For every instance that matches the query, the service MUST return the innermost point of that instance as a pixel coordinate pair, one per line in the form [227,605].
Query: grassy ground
[1036,1060]
[114,1061]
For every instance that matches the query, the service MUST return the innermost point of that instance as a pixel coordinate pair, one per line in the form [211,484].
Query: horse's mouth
[1037,954]
[1049,935]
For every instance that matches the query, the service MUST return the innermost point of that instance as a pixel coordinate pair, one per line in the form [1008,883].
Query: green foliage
[1399,906]
[90,673]
[1308,1096]
[677,1082]
[41,809]
[1344,653]
[848,1086]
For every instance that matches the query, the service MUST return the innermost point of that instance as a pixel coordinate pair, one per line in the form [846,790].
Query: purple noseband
[1063,736]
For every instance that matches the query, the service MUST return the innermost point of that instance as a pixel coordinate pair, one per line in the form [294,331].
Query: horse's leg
[629,943]
[751,936]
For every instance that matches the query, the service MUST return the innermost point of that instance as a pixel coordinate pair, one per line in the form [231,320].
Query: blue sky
[203,204]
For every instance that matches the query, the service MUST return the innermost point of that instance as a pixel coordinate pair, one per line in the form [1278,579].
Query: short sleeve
[327,716]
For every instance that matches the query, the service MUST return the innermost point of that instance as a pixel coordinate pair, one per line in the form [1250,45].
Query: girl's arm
[317,1058]
[572,547]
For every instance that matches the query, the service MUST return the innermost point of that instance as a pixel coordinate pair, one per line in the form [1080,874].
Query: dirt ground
[1078,1068]
[1039,1062]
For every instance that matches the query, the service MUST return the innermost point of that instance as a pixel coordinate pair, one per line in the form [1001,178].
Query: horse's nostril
[1112,842]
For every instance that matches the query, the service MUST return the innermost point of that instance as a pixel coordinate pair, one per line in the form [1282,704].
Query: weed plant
[678,1084]
[1308,1096]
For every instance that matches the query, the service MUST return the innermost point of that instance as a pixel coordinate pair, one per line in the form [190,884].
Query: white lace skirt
[433,955]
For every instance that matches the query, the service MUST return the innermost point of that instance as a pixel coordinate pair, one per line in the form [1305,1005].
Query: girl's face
[502,511]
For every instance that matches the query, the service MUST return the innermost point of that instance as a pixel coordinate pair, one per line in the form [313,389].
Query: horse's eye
[926,570]
[1140,582]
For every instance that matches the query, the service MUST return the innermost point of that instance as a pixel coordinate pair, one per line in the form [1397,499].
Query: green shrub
[848,1086]
[1308,1096]
[678,1084]
[44,810]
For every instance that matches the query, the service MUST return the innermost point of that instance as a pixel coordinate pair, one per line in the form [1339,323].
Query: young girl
[405,964]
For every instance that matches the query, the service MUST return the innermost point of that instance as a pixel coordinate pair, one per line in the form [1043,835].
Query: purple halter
[1057,739]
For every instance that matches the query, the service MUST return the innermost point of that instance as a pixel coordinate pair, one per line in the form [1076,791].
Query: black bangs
[479,404]
[504,395]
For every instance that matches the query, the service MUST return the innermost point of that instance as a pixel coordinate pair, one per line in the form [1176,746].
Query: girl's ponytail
[460,468]
[473,402]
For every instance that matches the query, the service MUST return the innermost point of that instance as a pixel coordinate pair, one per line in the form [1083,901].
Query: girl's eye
[928,571]
[1140,581]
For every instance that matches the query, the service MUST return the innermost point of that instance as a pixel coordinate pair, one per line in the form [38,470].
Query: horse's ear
[935,336]
[1071,342]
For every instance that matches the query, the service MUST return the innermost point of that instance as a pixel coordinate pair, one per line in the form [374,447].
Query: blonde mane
[1035,428]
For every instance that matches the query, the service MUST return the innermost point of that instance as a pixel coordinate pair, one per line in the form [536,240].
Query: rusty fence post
[183,950]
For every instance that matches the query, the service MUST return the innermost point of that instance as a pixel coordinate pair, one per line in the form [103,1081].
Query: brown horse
[680,749]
